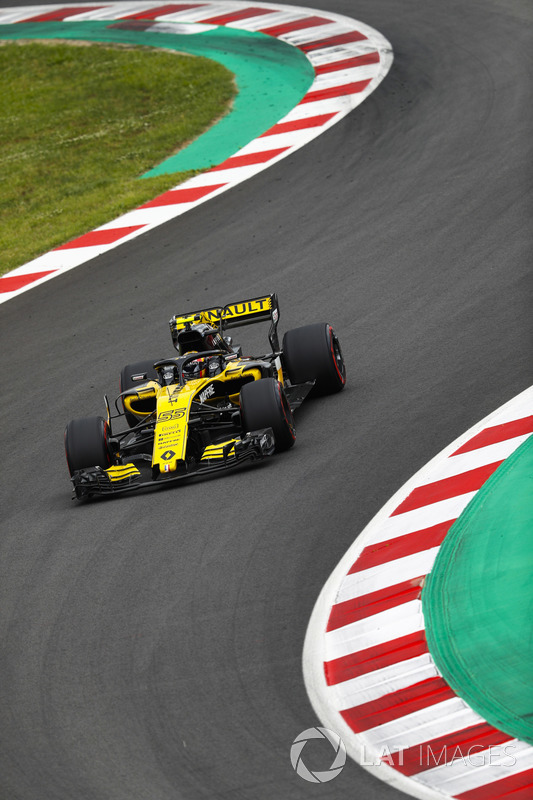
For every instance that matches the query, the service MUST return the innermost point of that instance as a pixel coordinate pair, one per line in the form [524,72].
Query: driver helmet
[196,369]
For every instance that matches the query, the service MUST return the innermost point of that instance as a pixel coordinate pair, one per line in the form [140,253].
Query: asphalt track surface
[151,645]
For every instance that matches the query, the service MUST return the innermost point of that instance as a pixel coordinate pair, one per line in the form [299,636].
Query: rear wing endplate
[233,315]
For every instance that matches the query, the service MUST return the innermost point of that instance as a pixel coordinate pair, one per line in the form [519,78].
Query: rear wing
[233,315]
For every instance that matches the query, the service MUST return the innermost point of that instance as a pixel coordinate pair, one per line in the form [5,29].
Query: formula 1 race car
[209,407]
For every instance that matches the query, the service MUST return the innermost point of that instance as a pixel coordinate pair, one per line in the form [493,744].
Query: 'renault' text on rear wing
[233,315]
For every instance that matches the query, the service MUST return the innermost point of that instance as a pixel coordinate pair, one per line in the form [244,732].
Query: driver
[199,338]
[196,369]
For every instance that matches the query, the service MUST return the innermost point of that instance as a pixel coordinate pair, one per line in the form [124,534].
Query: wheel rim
[336,352]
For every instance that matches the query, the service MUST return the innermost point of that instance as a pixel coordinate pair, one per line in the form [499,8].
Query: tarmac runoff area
[419,649]
[477,599]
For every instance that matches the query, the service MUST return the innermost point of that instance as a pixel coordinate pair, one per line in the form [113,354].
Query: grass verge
[79,124]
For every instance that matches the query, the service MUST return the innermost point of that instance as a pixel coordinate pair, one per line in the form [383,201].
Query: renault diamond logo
[168,455]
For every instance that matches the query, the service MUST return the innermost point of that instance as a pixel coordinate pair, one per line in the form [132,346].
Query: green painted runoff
[478,599]
[271,76]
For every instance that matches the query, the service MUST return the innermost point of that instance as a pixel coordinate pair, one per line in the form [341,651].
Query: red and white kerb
[368,670]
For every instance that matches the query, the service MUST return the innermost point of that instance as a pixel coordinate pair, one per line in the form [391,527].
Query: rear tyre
[87,443]
[312,353]
[264,405]
[127,382]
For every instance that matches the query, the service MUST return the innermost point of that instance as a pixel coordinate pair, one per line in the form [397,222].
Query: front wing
[255,446]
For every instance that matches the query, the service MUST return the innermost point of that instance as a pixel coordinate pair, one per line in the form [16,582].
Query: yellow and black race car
[209,407]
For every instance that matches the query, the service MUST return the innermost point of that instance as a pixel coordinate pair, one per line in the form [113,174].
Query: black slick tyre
[127,381]
[313,352]
[86,443]
[264,405]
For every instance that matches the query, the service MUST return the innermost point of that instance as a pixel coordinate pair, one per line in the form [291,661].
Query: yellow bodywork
[170,439]
[145,392]
[123,472]
[213,452]
[172,406]
[232,314]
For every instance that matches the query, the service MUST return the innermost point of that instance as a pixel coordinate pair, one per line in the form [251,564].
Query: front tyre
[87,444]
[313,353]
[264,405]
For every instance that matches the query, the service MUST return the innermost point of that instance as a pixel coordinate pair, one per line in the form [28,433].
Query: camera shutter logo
[318,776]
